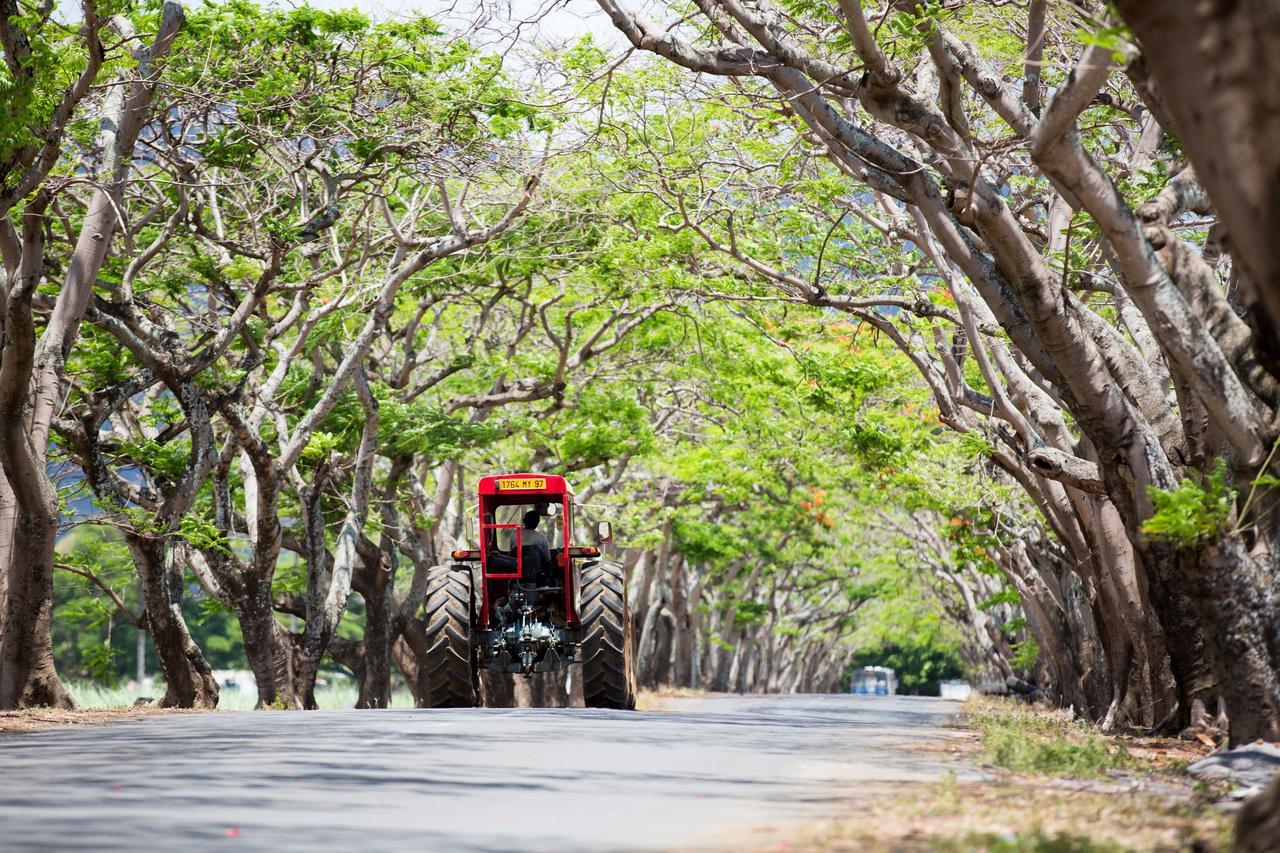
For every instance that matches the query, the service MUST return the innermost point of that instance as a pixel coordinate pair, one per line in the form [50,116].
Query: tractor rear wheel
[453,676]
[608,655]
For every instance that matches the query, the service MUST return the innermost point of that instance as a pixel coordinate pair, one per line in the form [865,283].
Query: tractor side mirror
[552,510]
[604,532]
[469,530]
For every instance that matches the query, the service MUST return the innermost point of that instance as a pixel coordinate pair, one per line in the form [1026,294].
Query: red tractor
[528,599]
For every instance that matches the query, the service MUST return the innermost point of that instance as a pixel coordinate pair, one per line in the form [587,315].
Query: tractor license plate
[522,483]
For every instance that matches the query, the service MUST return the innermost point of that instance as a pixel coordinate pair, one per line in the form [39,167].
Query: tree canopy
[905,334]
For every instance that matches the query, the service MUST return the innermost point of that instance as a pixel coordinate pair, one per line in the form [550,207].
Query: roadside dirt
[41,719]
[1155,808]
[1023,813]
[661,700]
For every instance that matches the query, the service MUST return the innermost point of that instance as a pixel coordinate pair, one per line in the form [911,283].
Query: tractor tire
[608,649]
[453,673]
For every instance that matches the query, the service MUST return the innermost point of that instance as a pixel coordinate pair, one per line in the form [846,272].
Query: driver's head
[531,519]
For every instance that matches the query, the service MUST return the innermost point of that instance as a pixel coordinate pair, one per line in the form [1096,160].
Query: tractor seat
[536,567]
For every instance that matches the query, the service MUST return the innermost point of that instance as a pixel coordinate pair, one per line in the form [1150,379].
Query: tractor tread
[608,664]
[451,674]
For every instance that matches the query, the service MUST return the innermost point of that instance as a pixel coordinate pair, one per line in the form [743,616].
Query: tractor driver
[533,537]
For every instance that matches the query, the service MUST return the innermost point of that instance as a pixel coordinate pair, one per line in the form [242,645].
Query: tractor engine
[526,639]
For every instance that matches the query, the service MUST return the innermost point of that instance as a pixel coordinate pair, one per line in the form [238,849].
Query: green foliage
[168,459]
[1025,654]
[1113,36]
[428,431]
[705,542]
[1004,596]
[913,30]
[89,637]
[1200,507]
[609,424]
[99,662]
[776,443]
[918,665]
[1036,841]
[93,641]
[319,446]
[200,532]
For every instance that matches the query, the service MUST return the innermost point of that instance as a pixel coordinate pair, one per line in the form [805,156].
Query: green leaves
[201,533]
[606,425]
[913,30]
[1199,508]
[427,431]
[1114,36]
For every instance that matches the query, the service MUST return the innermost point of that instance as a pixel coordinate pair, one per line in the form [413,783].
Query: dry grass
[1075,790]
[40,719]
[1027,813]
[660,699]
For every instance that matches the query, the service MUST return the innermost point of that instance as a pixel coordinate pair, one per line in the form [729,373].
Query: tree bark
[189,681]
[1222,53]
[27,673]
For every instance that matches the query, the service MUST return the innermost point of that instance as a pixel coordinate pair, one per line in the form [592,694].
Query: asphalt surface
[701,775]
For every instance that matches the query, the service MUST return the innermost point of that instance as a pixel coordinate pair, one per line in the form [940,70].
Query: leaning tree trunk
[1236,601]
[31,374]
[269,650]
[1219,80]
[189,681]
[27,673]
[375,687]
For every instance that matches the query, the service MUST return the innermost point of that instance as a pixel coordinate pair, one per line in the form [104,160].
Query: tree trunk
[8,518]
[499,689]
[27,674]
[189,681]
[375,688]
[662,647]
[270,652]
[681,625]
[412,651]
[1189,656]
[1244,630]
[1222,53]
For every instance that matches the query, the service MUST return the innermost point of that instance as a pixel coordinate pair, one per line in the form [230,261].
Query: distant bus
[873,681]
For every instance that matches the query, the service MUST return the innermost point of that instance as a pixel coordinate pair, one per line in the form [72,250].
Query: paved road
[700,775]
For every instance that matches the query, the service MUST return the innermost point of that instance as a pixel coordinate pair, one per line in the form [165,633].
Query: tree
[1118,369]
[31,370]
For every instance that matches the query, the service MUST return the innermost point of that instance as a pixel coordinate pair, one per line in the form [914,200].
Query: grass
[1056,786]
[1017,813]
[89,696]
[657,700]
[1027,842]
[1050,742]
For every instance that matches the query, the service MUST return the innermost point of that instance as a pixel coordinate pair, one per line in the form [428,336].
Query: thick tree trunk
[499,689]
[27,674]
[347,653]
[410,650]
[189,681]
[1244,630]
[8,518]
[375,688]
[269,650]
[1222,53]
[664,642]
[1190,657]
[31,374]
[681,625]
